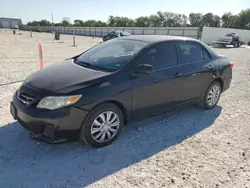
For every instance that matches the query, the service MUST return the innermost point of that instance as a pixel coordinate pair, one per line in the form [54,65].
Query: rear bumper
[227,78]
[51,126]
[226,86]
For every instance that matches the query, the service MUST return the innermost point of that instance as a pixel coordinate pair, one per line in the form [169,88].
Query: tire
[206,103]
[96,125]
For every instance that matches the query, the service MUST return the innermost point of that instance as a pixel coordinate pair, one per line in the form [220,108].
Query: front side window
[190,52]
[111,55]
[161,55]
[112,33]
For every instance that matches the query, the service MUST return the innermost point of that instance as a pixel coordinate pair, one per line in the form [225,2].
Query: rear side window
[190,52]
[161,55]
[206,55]
[117,34]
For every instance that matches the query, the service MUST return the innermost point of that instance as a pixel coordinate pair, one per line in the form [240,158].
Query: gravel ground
[186,148]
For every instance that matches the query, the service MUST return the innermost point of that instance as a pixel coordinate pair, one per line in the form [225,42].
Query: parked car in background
[38,30]
[93,95]
[229,39]
[115,34]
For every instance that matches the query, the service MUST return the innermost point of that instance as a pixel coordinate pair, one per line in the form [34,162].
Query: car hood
[64,77]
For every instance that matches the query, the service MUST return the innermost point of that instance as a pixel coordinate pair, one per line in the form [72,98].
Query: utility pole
[52,18]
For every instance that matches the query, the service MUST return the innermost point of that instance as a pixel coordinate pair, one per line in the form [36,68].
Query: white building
[210,34]
[10,22]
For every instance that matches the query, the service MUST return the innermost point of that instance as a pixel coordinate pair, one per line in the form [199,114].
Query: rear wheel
[103,125]
[212,95]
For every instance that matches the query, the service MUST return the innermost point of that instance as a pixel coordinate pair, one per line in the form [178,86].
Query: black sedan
[93,95]
[115,34]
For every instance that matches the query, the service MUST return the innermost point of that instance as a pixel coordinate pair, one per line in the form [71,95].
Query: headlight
[53,103]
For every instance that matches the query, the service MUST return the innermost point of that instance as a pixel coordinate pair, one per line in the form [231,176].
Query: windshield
[111,55]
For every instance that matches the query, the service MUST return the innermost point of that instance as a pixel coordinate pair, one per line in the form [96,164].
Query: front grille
[25,98]
[28,95]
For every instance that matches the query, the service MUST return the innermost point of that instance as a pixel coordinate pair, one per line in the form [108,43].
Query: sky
[29,10]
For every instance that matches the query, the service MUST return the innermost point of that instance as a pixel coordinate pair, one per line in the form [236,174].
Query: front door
[152,94]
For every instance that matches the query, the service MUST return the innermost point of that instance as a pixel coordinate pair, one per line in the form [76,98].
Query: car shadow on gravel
[28,163]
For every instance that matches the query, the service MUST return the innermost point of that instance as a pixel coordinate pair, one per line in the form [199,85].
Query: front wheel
[102,126]
[212,95]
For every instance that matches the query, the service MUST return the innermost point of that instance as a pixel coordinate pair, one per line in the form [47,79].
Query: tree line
[163,19]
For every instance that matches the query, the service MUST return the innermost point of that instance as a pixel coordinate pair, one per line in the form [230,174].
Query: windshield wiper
[88,65]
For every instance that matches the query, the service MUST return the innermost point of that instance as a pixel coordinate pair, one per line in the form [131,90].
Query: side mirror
[144,69]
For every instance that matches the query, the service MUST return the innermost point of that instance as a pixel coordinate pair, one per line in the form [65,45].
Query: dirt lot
[188,148]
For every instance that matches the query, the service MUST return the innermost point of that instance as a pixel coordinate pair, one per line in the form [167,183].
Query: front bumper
[51,126]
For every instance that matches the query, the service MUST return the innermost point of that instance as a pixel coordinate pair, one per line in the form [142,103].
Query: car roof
[153,39]
[157,38]
[123,32]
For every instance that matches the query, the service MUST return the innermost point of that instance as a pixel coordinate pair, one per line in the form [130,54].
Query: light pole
[52,18]
[52,29]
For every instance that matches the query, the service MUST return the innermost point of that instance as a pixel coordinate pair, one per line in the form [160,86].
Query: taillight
[231,65]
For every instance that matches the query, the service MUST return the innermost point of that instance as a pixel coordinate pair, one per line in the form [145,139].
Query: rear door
[197,69]
[152,94]
[208,69]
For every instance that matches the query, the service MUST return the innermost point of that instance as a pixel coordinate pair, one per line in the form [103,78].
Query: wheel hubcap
[105,126]
[213,95]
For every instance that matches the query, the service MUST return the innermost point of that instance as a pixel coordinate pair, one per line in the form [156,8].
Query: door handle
[210,66]
[178,75]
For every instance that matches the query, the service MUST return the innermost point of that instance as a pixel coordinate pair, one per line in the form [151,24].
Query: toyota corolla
[93,95]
